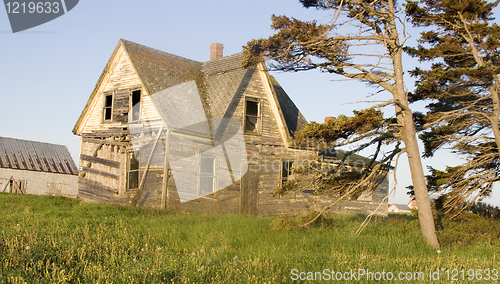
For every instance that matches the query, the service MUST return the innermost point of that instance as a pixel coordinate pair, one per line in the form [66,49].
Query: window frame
[202,175]
[289,174]
[105,107]
[131,106]
[131,156]
[258,126]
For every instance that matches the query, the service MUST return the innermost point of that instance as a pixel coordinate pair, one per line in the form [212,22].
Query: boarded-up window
[121,106]
[252,121]
[136,105]
[53,188]
[133,173]
[286,171]
[108,107]
[207,173]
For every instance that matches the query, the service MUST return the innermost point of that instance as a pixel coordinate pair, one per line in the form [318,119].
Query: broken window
[286,171]
[136,105]
[108,107]
[252,115]
[133,172]
[207,173]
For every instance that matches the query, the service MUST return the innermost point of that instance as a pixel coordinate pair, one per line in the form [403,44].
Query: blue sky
[48,72]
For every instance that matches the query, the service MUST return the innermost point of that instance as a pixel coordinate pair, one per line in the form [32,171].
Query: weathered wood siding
[107,146]
[119,81]
[102,166]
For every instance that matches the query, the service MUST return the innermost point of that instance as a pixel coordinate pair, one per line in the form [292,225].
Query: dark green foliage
[348,170]
[301,45]
[343,127]
[462,90]
[290,56]
[485,210]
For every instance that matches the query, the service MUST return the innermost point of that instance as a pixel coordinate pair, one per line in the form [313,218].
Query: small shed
[32,167]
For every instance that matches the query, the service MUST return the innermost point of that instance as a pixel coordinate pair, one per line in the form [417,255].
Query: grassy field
[57,240]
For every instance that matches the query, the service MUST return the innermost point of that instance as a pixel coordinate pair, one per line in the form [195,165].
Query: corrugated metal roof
[35,156]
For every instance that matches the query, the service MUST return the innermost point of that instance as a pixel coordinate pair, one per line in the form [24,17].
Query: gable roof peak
[133,46]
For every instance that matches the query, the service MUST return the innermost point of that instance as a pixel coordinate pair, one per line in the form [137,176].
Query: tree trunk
[419,183]
[496,113]
[405,118]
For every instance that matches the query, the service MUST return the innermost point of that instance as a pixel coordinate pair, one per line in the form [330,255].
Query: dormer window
[252,115]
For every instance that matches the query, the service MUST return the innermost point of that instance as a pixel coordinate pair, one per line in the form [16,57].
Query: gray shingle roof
[401,206]
[294,120]
[35,156]
[160,70]
[220,82]
[224,83]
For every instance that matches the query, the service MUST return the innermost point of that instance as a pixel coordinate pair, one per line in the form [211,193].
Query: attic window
[108,107]
[136,105]
[252,115]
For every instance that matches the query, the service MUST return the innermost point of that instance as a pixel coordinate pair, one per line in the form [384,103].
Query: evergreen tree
[363,42]
[463,86]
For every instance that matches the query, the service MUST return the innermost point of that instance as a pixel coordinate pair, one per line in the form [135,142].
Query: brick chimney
[328,118]
[216,51]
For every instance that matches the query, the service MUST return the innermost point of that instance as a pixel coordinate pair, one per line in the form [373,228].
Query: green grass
[58,240]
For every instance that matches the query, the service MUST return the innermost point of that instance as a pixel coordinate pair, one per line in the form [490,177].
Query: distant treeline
[485,210]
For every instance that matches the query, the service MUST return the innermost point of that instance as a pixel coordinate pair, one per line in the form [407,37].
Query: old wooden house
[162,131]
[32,167]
